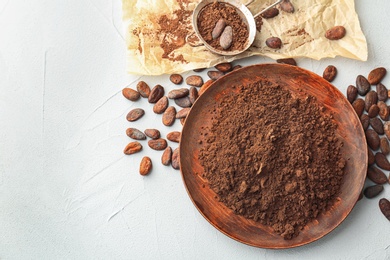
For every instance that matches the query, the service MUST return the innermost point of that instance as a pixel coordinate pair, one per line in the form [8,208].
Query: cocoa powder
[273,158]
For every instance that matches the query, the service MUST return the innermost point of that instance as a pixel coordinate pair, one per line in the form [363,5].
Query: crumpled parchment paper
[302,34]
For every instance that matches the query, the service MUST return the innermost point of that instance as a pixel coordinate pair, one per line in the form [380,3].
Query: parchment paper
[302,34]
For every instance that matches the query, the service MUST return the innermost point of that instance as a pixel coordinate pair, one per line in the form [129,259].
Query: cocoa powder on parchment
[272,157]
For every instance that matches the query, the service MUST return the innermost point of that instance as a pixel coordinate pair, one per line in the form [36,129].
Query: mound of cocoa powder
[273,158]
[208,18]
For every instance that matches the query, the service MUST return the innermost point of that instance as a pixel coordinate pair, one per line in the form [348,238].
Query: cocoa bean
[205,86]
[176,159]
[214,74]
[136,134]
[143,89]
[358,105]
[130,94]
[384,206]
[386,128]
[169,115]
[373,140]
[383,111]
[218,29]
[194,80]
[152,133]
[371,157]
[382,162]
[166,156]
[330,73]
[198,70]
[373,111]
[176,79]
[352,93]
[376,175]
[384,146]
[287,6]
[156,93]
[377,125]
[365,120]
[335,33]
[382,92]
[183,113]
[274,42]
[270,13]
[376,75]
[362,85]
[174,136]
[133,147]
[193,95]
[373,191]
[145,166]
[226,38]
[370,99]
[157,144]
[178,93]
[183,102]
[289,61]
[236,67]
[161,105]
[224,67]
[135,114]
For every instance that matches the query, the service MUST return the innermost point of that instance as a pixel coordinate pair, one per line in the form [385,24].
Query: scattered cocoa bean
[143,89]
[169,115]
[130,94]
[377,125]
[287,6]
[376,175]
[373,191]
[194,80]
[381,161]
[274,42]
[133,147]
[183,102]
[205,86]
[183,113]
[382,92]
[158,144]
[193,95]
[335,33]
[156,93]
[178,93]
[224,67]
[174,136]
[270,13]
[176,159]
[384,146]
[383,111]
[214,74]
[176,79]
[161,105]
[384,206]
[376,75]
[152,133]
[289,61]
[199,69]
[370,99]
[365,120]
[330,73]
[166,156]
[135,134]
[371,157]
[362,85]
[218,29]
[352,93]
[373,140]
[373,111]
[226,38]
[135,114]
[358,105]
[386,128]
[145,166]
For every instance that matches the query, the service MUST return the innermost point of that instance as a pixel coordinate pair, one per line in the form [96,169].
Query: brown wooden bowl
[349,130]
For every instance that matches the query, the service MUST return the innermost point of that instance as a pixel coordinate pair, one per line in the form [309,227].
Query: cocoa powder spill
[272,157]
[209,16]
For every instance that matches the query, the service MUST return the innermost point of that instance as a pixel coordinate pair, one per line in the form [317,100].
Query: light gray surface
[66,189]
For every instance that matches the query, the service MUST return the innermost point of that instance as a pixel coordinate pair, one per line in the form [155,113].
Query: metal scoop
[244,13]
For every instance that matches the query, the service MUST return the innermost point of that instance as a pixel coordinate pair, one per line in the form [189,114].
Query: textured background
[66,189]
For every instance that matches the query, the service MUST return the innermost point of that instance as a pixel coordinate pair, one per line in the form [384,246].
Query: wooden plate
[349,130]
